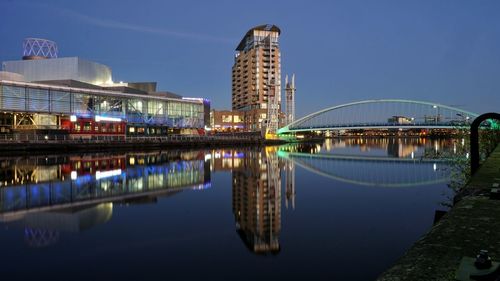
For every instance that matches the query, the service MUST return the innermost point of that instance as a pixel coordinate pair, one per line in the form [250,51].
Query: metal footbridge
[382,114]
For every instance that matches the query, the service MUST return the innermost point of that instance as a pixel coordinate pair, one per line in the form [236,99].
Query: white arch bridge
[382,114]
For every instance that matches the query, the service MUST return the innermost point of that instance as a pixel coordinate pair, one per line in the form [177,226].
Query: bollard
[480,268]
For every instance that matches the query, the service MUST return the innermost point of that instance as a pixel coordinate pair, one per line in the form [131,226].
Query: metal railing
[50,138]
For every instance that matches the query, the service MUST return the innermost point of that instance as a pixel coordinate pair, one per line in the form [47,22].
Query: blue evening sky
[442,51]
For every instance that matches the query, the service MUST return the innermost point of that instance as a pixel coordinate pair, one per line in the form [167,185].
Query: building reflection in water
[49,195]
[402,147]
[256,188]
[257,202]
[290,184]
[43,228]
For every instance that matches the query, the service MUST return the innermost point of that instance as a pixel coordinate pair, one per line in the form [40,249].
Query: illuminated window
[237,119]
[87,126]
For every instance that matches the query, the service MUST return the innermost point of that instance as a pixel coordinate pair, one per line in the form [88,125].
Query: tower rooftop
[263,27]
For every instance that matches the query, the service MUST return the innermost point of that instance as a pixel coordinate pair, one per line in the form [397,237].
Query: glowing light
[99,118]
[72,118]
[100,175]
[192,99]
[208,156]
[434,167]
[412,155]
[74,175]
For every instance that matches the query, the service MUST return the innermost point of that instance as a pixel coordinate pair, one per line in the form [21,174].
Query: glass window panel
[61,107]
[14,92]
[38,105]
[38,94]
[83,103]
[9,103]
[136,105]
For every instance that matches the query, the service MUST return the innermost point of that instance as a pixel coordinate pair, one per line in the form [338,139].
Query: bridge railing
[384,113]
[380,124]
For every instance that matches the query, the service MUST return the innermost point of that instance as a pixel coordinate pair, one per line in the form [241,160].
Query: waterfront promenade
[13,144]
[471,225]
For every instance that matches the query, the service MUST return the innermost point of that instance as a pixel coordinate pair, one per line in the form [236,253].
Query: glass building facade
[134,109]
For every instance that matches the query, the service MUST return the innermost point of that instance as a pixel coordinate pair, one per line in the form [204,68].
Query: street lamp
[437,115]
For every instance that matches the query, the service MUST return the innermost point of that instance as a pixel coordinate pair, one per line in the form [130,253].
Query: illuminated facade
[227,121]
[79,97]
[256,75]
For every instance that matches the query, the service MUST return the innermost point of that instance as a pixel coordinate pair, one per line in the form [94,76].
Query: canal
[344,209]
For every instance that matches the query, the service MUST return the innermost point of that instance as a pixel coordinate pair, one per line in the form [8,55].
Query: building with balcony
[256,75]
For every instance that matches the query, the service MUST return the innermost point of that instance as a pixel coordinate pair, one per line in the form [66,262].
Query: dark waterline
[342,210]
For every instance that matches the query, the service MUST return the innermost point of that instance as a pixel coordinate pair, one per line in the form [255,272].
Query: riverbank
[13,146]
[471,225]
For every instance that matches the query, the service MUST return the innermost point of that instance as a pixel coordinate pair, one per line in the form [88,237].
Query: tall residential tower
[256,76]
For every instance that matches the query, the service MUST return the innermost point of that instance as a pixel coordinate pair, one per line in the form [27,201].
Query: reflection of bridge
[382,114]
[359,170]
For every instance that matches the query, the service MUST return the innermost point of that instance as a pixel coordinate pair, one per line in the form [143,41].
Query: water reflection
[377,162]
[46,195]
[257,201]
[392,147]
[43,229]
[51,195]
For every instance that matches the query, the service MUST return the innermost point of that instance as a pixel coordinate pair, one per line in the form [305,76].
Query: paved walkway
[471,225]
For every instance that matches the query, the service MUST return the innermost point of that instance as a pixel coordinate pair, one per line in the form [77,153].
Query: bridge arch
[382,113]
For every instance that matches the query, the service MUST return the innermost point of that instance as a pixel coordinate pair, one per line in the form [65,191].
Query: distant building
[399,120]
[256,75]
[227,121]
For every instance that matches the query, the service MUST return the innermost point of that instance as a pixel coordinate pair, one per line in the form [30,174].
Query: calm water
[341,210]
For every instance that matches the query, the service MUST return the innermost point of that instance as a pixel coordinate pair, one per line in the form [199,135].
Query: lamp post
[437,112]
